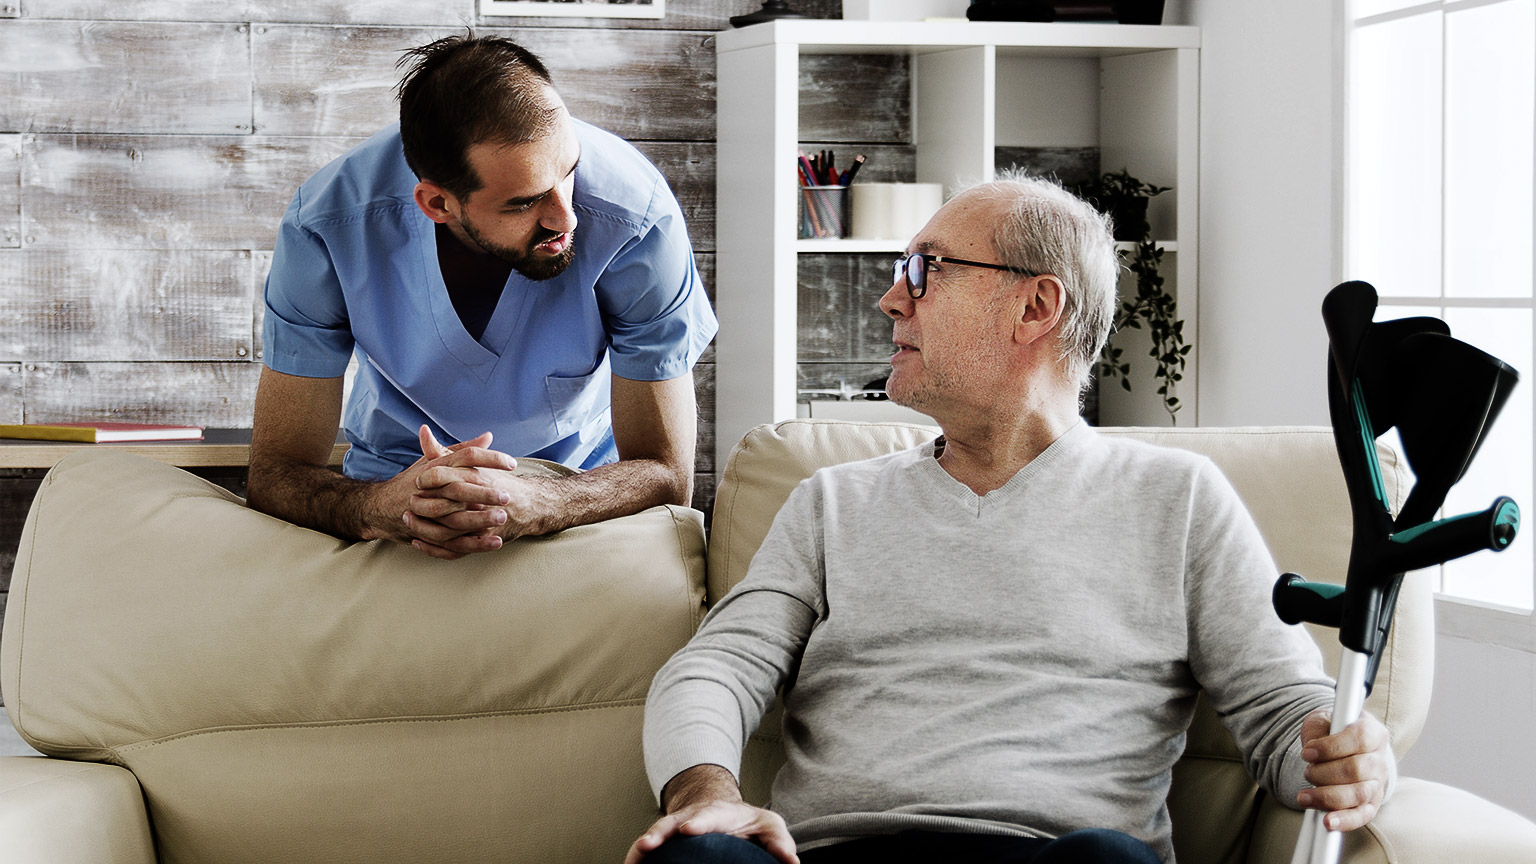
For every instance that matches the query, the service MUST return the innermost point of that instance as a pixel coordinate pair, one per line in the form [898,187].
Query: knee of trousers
[710,849]
[1100,845]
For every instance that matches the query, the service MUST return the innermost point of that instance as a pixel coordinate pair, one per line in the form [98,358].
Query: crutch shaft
[1316,844]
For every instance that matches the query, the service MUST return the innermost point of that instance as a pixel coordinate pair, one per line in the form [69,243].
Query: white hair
[1049,230]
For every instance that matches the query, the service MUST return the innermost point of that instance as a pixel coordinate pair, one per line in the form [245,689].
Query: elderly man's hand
[1350,771]
[705,800]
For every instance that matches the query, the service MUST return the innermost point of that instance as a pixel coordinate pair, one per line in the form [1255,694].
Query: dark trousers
[1090,846]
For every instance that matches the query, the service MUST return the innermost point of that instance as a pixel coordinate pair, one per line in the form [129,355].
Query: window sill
[1485,623]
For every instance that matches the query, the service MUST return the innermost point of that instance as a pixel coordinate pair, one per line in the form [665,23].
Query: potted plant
[1125,198]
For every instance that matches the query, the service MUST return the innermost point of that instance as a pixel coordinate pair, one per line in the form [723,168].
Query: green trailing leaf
[1151,306]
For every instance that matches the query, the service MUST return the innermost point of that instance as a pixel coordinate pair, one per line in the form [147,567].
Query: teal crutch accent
[1368,436]
[1407,535]
[1509,514]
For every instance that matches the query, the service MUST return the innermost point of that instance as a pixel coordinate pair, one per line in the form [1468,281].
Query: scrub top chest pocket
[574,400]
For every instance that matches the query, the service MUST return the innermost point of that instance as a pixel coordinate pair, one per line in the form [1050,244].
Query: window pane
[1393,156]
[1489,98]
[1366,8]
[1502,466]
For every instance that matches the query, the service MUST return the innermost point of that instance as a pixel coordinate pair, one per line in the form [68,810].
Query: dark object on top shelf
[772,9]
[1123,11]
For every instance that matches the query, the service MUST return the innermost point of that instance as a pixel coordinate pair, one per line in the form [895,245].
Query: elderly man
[507,277]
[990,646]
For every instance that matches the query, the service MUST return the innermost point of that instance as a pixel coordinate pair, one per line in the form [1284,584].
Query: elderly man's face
[950,343]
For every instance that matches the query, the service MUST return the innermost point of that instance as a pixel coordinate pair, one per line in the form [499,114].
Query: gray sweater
[1024,662]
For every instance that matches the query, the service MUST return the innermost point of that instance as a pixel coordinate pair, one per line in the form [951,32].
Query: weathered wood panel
[684,15]
[163,192]
[1072,167]
[838,313]
[68,76]
[205,394]
[704,391]
[10,392]
[261,265]
[871,336]
[856,97]
[341,80]
[328,80]
[125,305]
[10,191]
[646,85]
[413,12]
[706,264]
[832,376]
[680,14]
[191,192]
[690,170]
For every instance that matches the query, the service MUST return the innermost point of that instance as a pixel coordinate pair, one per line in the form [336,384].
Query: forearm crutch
[1442,395]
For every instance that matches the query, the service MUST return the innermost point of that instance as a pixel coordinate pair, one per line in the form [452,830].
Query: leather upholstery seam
[695,614]
[377,721]
[52,778]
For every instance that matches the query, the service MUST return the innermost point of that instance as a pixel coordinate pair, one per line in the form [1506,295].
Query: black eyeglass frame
[918,290]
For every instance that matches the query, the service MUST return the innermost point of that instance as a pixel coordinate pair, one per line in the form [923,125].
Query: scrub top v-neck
[474,280]
[355,272]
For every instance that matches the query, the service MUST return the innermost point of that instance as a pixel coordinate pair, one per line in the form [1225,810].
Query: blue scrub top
[355,270]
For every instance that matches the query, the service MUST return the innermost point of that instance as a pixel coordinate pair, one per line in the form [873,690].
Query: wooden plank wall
[148,149]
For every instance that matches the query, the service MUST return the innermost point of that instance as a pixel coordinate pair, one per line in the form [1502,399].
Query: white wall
[1270,183]
[1267,211]
[1484,705]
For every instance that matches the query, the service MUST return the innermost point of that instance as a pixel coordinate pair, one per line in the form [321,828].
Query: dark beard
[530,264]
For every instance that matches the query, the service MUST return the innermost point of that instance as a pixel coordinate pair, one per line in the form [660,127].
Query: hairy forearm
[311,496]
[608,492]
[701,784]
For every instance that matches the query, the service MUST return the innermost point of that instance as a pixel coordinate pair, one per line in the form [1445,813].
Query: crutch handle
[1297,600]
[1447,539]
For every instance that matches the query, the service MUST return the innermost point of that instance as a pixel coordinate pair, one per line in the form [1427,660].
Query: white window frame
[1456,616]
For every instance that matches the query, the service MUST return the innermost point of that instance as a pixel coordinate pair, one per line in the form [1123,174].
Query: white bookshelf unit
[1131,91]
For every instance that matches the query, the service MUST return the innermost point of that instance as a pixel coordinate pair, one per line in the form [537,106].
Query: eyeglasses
[914,270]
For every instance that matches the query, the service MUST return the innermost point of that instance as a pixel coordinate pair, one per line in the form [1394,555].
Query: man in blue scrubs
[513,282]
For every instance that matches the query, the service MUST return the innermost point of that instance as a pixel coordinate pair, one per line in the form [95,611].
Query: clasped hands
[455,500]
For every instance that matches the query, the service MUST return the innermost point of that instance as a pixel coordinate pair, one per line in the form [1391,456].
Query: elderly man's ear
[1041,302]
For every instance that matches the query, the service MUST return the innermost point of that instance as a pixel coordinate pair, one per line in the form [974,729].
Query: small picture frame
[574,8]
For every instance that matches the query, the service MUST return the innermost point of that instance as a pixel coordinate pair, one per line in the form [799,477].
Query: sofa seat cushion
[283,695]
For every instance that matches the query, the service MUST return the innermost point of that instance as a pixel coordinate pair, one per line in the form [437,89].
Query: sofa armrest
[1424,823]
[53,811]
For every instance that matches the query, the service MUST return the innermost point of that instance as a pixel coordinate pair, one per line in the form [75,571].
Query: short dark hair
[463,90]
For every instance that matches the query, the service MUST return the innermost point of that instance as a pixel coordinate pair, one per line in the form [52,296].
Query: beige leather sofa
[213,685]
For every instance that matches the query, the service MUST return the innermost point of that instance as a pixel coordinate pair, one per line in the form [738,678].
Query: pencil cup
[823,211]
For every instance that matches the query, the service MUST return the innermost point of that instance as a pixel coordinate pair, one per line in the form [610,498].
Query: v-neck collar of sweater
[1073,440]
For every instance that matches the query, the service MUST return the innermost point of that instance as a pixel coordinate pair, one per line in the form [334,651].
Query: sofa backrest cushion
[282,695]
